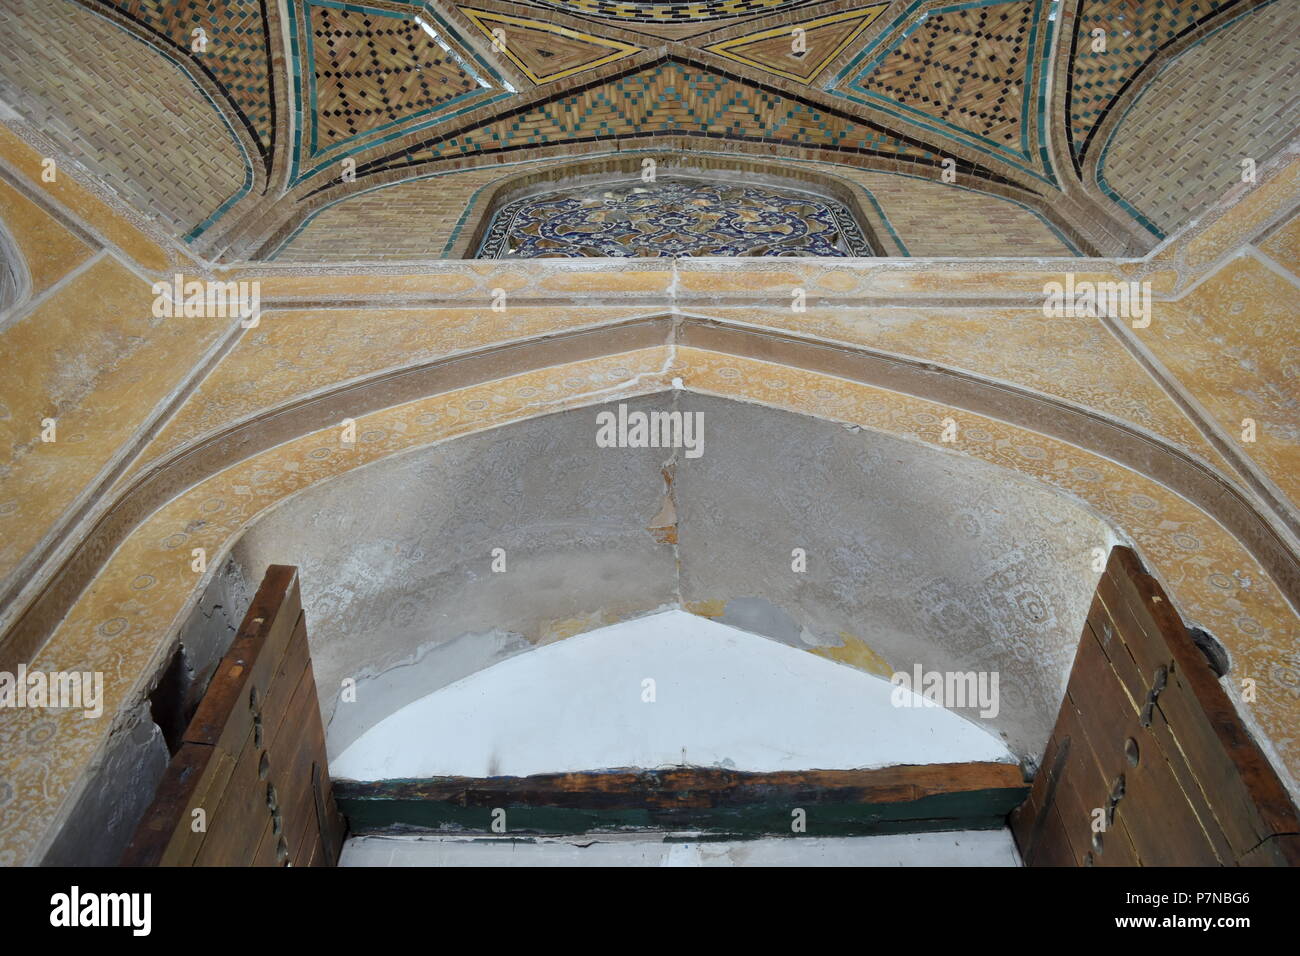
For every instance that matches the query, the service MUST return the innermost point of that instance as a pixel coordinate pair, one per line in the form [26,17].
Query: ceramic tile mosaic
[142,138]
[372,69]
[236,51]
[546,51]
[435,216]
[1219,106]
[824,38]
[396,84]
[669,218]
[365,76]
[964,67]
[671,12]
[1132,32]
[667,98]
[976,70]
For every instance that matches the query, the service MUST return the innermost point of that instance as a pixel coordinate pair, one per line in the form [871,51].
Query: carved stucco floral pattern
[1235,345]
[122,625]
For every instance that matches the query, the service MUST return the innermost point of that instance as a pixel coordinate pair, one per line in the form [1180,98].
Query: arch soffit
[141,610]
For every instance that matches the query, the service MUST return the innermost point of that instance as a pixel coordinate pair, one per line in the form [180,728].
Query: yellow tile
[121,624]
[1232,343]
[292,354]
[49,250]
[93,357]
[94,212]
[1284,246]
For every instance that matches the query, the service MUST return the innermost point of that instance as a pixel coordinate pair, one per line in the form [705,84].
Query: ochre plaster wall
[962,330]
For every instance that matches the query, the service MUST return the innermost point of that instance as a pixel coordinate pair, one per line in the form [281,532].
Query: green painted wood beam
[721,802]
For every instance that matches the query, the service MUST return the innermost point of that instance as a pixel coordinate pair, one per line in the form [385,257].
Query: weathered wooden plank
[1133,623]
[239,823]
[195,778]
[706,786]
[288,674]
[300,745]
[1085,788]
[1160,735]
[1026,820]
[1053,848]
[1197,790]
[1162,826]
[225,715]
[1106,632]
[1150,786]
[264,690]
[1250,801]
[267,846]
[1090,779]
[235,824]
[329,822]
[1280,850]
[213,741]
[888,800]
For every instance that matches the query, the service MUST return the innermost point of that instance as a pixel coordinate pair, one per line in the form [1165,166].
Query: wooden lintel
[835,802]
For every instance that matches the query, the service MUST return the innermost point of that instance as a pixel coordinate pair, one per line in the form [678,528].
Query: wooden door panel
[1148,736]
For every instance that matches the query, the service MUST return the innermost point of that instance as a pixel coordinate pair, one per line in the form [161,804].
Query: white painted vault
[670,689]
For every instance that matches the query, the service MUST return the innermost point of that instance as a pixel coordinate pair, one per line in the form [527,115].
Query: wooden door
[1149,763]
[249,785]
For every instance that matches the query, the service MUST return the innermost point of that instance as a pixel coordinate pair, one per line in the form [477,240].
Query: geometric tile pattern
[112,101]
[964,66]
[1245,87]
[1133,32]
[974,72]
[544,51]
[236,53]
[372,69]
[361,226]
[824,38]
[691,12]
[394,77]
[664,99]
[671,218]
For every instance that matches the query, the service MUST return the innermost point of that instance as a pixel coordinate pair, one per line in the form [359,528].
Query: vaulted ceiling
[1015,103]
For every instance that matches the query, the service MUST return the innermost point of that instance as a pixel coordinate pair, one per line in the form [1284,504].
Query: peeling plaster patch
[663,526]
[572,626]
[564,628]
[712,609]
[933,559]
[122,784]
[857,653]
[761,616]
[212,626]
